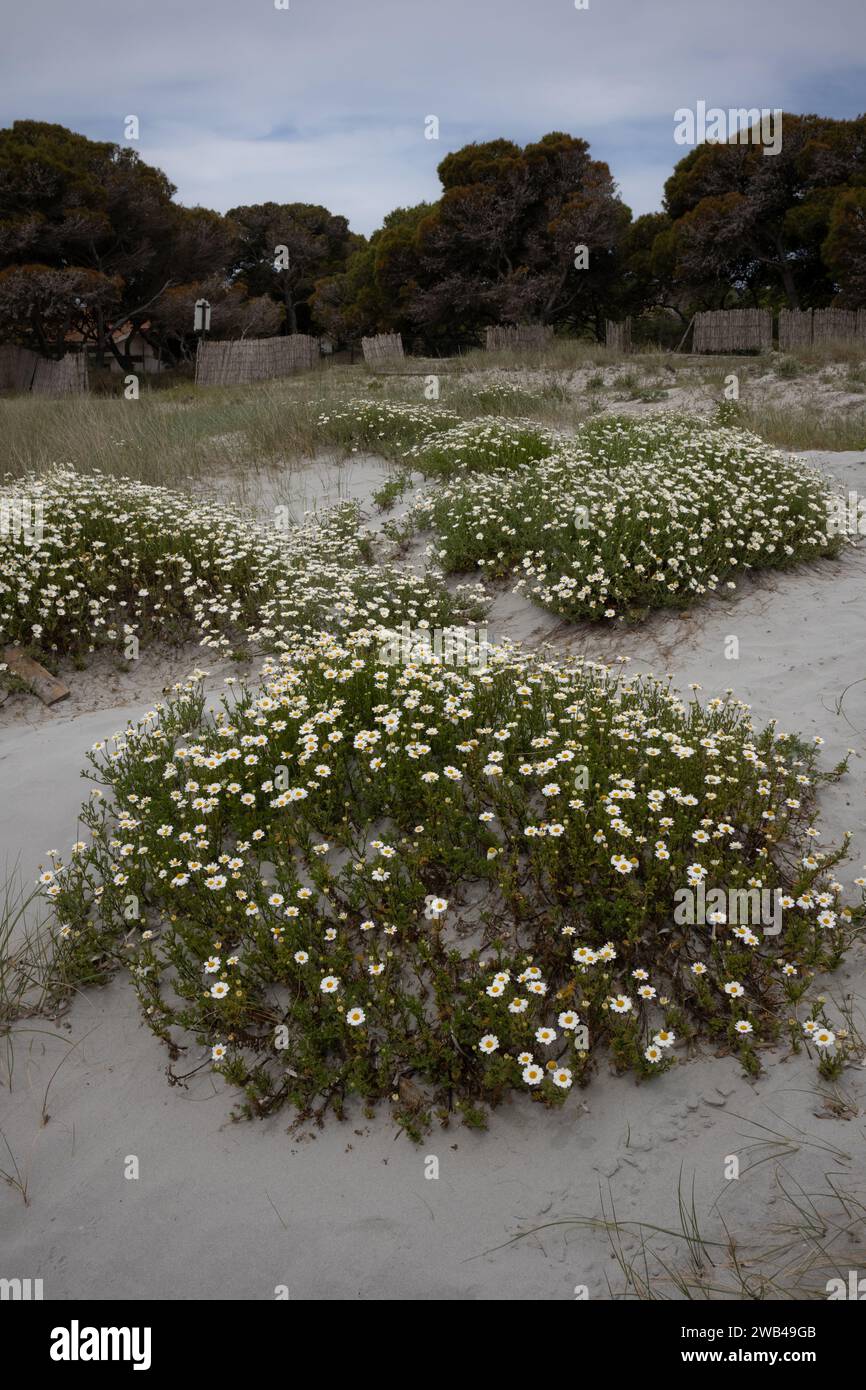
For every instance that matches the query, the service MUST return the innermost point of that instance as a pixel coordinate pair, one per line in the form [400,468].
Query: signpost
[202,318]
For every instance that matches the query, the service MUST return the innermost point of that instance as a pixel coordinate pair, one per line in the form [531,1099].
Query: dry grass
[168,437]
[183,435]
[32,984]
[805,427]
[816,1237]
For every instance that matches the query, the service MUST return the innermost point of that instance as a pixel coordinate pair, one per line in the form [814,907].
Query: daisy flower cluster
[627,515]
[117,559]
[355,872]
[435,441]
[830,1044]
[480,445]
[500,395]
[382,426]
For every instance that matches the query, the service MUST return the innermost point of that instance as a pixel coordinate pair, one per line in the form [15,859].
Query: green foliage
[626,516]
[746,221]
[95,232]
[844,249]
[313,241]
[366,870]
[499,245]
[373,293]
[113,560]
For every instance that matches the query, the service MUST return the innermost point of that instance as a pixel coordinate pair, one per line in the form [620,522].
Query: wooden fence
[734,330]
[516,336]
[618,335]
[803,327]
[384,347]
[17,365]
[24,370]
[68,377]
[838,325]
[241,360]
[795,328]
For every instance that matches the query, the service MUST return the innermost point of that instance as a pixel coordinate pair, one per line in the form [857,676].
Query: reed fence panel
[237,361]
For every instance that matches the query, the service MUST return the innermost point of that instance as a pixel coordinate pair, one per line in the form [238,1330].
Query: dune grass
[183,434]
[804,1253]
[805,427]
[167,438]
[37,977]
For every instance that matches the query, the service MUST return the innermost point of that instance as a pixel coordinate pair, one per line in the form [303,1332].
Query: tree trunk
[547,311]
[100,339]
[124,361]
[790,287]
[60,344]
[788,278]
[161,349]
[36,324]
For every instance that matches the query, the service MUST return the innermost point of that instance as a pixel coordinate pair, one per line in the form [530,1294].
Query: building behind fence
[240,360]
[24,370]
[384,347]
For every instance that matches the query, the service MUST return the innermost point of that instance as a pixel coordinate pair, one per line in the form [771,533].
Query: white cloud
[326,101]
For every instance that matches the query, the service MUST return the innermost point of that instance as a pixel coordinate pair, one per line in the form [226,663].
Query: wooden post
[686,334]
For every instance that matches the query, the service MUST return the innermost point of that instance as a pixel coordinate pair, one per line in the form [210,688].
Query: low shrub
[385,427]
[479,446]
[444,885]
[94,561]
[631,515]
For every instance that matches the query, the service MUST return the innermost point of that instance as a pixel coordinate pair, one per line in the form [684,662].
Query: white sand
[224,1210]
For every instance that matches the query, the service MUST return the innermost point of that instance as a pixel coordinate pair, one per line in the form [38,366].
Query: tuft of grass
[170,437]
[30,983]
[13,1175]
[815,1242]
[37,975]
[802,428]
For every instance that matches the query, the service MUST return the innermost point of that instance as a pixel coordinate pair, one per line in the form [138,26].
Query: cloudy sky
[325,101]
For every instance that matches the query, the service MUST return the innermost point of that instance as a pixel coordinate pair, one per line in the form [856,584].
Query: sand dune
[223,1210]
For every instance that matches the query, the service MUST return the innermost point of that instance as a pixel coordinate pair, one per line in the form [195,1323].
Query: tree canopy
[282,249]
[92,237]
[756,225]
